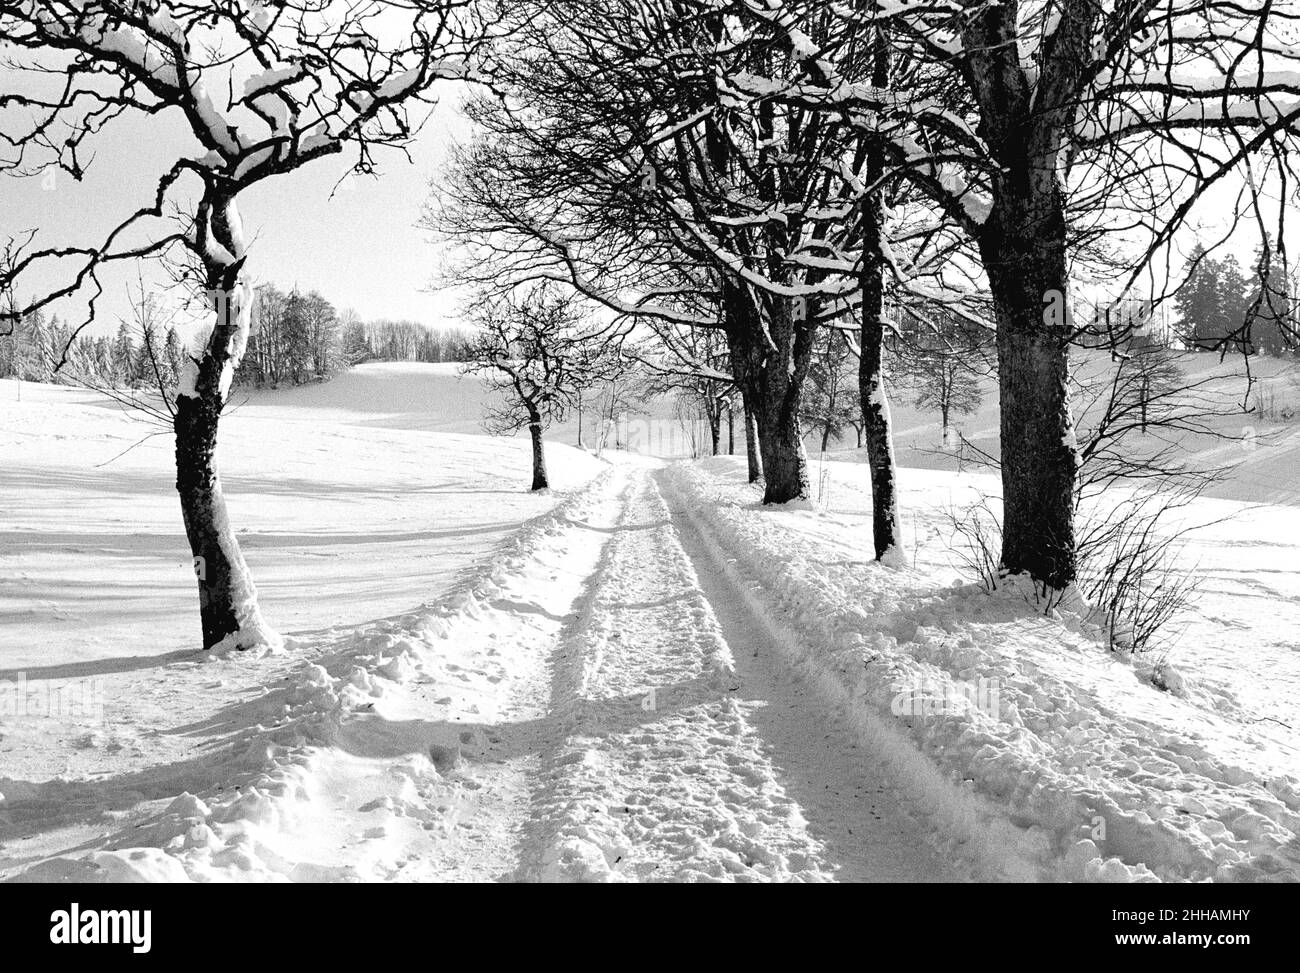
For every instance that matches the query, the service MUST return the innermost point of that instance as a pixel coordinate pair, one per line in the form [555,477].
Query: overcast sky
[360,249]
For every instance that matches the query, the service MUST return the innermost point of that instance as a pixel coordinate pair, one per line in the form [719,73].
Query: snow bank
[309,744]
[1039,754]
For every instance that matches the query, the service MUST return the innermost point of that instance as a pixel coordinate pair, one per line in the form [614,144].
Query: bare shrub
[978,534]
[1132,581]
[1130,571]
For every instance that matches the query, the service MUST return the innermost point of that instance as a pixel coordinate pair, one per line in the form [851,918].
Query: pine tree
[104,359]
[173,356]
[1269,311]
[35,350]
[1196,300]
[1214,303]
[1231,305]
[123,357]
[59,339]
[146,366]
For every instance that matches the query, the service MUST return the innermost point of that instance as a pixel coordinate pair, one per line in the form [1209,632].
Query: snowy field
[1263,450]
[642,675]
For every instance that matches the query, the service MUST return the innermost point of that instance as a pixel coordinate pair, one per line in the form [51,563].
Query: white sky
[361,249]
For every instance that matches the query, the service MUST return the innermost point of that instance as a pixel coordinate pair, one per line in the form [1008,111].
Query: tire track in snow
[496,753]
[848,794]
[668,787]
[670,763]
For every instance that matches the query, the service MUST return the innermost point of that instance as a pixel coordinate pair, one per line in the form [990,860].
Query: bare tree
[534,350]
[1042,127]
[692,363]
[831,401]
[623,159]
[262,90]
[945,358]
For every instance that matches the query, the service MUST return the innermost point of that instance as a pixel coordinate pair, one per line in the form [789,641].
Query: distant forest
[296,337]
[1224,308]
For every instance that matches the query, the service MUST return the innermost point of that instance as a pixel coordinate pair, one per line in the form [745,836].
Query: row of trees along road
[772,173]
[768,170]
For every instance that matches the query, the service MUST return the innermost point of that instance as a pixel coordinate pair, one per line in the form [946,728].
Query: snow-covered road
[609,703]
[679,747]
[649,728]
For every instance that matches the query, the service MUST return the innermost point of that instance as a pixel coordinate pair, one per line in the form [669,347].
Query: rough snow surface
[676,755]
[570,706]
[1062,759]
[644,675]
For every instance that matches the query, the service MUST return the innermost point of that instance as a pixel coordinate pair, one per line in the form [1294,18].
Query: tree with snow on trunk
[261,90]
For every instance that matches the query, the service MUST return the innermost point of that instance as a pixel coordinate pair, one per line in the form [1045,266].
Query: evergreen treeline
[145,354]
[1223,307]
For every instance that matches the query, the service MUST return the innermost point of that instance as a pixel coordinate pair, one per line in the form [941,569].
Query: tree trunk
[737,330]
[222,575]
[731,428]
[1024,254]
[540,481]
[826,437]
[715,430]
[877,424]
[771,363]
[780,439]
[1023,249]
[755,464]
[228,610]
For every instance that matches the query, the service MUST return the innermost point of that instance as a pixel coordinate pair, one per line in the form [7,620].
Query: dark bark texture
[771,365]
[877,430]
[1023,247]
[203,511]
[540,481]
[754,463]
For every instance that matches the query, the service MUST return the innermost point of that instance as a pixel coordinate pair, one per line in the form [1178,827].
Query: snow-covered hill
[1262,449]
